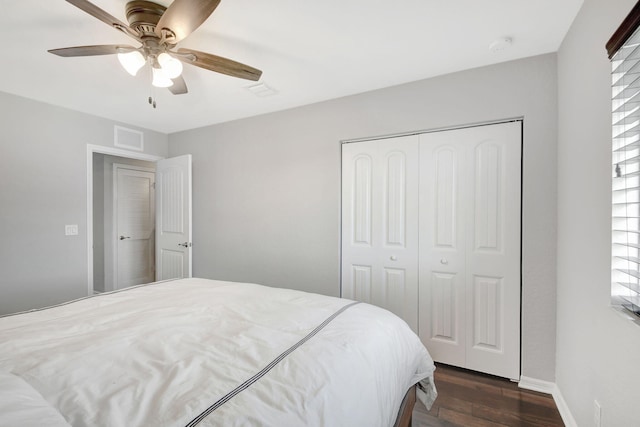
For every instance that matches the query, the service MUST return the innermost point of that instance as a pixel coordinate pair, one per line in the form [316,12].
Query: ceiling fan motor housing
[143,16]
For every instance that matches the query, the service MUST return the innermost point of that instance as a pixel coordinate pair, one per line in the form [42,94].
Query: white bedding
[177,353]
[21,405]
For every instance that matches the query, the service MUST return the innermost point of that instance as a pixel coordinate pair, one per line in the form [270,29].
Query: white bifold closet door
[431,231]
[380,224]
[470,197]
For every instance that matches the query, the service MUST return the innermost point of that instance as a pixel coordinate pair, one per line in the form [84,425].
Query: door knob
[124,237]
[444,261]
[185,244]
[393,258]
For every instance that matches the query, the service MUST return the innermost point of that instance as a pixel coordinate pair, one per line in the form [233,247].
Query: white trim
[132,167]
[433,130]
[535,384]
[552,389]
[563,408]
[122,153]
[113,152]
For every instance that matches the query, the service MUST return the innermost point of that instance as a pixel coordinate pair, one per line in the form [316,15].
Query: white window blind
[625,275]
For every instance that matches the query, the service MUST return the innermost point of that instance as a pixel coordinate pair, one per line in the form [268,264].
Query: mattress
[210,353]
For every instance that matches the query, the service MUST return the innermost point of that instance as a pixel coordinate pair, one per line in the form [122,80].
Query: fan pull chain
[152,92]
[152,100]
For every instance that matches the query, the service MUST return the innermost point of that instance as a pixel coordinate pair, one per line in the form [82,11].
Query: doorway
[173,214]
[123,222]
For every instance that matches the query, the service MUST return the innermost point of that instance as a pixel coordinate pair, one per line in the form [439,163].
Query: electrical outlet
[597,413]
[71,230]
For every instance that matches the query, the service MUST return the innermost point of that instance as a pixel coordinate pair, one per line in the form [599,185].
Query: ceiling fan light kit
[169,65]
[132,61]
[160,79]
[159,30]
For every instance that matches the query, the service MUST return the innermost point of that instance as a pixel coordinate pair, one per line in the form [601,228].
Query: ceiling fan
[159,29]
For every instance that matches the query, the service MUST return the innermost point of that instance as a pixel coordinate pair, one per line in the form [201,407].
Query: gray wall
[267,188]
[598,349]
[43,186]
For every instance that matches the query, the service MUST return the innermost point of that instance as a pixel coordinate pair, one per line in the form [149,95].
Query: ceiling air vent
[261,90]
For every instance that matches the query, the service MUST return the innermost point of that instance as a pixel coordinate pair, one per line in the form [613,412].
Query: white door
[470,185]
[173,219]
[135,217]
[380,224]
[442,248]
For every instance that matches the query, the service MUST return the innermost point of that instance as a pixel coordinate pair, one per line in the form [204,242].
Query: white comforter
[210,353]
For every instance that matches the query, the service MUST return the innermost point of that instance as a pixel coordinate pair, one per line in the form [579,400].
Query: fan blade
[182,17]
[179,86]
[218,64]
[105,17]
[107,49]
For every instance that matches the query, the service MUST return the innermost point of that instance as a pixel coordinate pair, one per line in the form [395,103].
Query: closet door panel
[395,203]
[442,249]
[488,186]
[357,225]
[394,290]
[361,283]
[487,322]
[493,249]
[380,224]
[441,327]
[361,212]
[445,200]
[470,247]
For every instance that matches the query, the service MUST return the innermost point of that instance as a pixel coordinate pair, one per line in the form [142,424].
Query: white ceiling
[309,51]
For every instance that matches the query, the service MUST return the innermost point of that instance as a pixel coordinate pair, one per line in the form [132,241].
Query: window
[624,52]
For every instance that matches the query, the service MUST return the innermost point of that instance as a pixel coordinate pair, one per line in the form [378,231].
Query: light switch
[71,230]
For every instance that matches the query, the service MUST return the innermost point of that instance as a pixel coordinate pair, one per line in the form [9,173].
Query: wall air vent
[128,138]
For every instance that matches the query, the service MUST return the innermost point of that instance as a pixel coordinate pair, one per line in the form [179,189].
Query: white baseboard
[537,385]
[552,389]
[565,413]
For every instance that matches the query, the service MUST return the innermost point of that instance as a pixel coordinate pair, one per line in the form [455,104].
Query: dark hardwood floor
[470,399]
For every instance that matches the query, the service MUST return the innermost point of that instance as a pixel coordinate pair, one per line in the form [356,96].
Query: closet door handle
[393,258]
[124,237]
[444,261]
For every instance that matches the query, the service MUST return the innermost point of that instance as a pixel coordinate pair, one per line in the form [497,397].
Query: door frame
[99,149]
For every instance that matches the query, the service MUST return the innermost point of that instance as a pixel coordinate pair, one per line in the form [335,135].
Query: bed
[196,352]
